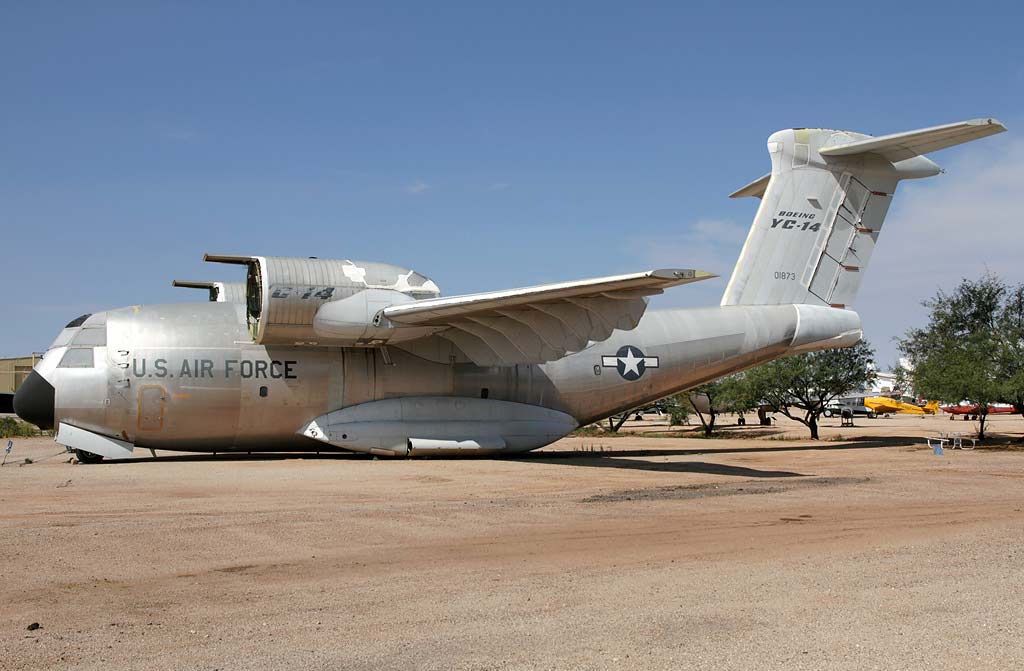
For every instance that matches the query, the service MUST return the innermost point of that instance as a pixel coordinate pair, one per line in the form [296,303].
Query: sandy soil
[861,551]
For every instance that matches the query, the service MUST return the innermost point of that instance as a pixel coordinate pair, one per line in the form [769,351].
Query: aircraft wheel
[88,457]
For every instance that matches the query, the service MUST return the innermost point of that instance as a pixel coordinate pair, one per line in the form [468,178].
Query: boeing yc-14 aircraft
[324,354]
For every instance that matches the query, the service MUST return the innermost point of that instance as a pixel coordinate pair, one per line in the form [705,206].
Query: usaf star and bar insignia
[630,362]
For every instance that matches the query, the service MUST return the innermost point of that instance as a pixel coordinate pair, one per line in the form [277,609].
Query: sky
[487,146]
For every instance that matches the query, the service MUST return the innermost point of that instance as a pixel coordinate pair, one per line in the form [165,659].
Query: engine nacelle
[357,320]
[283,295]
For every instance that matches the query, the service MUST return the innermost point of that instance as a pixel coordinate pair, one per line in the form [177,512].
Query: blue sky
[487,146]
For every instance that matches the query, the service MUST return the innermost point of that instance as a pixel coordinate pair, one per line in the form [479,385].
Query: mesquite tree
[802,386]
[972,347]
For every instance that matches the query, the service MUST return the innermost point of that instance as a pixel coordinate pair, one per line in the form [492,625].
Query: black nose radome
[33,401]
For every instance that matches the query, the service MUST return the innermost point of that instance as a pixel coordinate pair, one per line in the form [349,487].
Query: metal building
[12,373]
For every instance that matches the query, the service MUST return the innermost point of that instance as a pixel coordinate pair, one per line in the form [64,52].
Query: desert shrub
[14,428]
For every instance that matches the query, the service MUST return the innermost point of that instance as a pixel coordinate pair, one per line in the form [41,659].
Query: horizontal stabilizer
[755,188]
[901,146]
[540,323]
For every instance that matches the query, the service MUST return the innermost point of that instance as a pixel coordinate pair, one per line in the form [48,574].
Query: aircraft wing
[541,323]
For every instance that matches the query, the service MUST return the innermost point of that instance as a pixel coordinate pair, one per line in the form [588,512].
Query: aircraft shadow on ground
[617,461]
[240,456]
[609,460]
[846,444]
[595,459]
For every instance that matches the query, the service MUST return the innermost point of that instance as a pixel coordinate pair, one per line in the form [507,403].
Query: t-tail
[822,208]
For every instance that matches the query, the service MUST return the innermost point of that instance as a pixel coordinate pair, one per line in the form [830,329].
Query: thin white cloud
[940,230]
[417,187]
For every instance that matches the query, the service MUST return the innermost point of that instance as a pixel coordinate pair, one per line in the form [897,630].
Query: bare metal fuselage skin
[188,376]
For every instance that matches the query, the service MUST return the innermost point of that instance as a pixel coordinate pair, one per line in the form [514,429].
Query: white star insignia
[631,362]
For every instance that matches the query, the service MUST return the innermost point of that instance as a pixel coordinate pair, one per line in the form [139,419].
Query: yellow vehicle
[883,405]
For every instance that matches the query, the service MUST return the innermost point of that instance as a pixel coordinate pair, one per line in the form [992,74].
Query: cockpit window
[96,319]
[77,322]
[77,358]
[63,338]
[91,337]
[417,280]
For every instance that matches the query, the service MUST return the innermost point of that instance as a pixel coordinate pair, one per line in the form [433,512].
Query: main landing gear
[87,457]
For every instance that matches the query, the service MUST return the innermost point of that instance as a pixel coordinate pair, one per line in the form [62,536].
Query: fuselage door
[152,400]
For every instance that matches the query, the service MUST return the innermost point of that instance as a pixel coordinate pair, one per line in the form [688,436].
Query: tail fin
[822,207]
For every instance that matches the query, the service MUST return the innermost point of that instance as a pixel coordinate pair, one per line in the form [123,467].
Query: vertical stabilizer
[822,209]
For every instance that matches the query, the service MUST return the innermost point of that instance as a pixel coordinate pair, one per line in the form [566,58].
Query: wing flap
[438,310]
[541,323]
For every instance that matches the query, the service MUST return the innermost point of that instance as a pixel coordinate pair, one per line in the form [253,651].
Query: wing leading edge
[540,323]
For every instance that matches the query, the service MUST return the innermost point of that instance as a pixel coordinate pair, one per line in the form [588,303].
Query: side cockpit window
[77,358]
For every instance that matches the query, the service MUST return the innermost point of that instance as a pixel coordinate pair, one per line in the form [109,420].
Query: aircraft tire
[87,457]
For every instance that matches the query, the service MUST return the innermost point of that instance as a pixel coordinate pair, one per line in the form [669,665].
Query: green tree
[678,410]
[801,386]
[741,394]
[711,399]
[902,384]
[972,347]
[707,401]
[1010,347]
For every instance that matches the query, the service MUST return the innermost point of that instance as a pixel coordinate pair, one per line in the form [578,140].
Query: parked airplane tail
[822,208]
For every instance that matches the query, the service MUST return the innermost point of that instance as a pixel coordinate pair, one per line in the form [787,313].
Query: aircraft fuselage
[188,376]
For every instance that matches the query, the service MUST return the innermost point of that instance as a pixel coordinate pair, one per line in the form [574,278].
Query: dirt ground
[861,551]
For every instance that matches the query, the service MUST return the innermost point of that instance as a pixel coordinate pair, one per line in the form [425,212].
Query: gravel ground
[626,552]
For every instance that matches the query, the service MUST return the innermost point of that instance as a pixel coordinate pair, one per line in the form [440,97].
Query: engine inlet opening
[254,291]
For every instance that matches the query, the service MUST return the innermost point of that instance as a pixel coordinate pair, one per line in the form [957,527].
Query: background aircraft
[972,409]
[882,405]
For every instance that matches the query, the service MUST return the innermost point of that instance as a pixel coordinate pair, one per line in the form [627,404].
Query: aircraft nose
[33,401]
